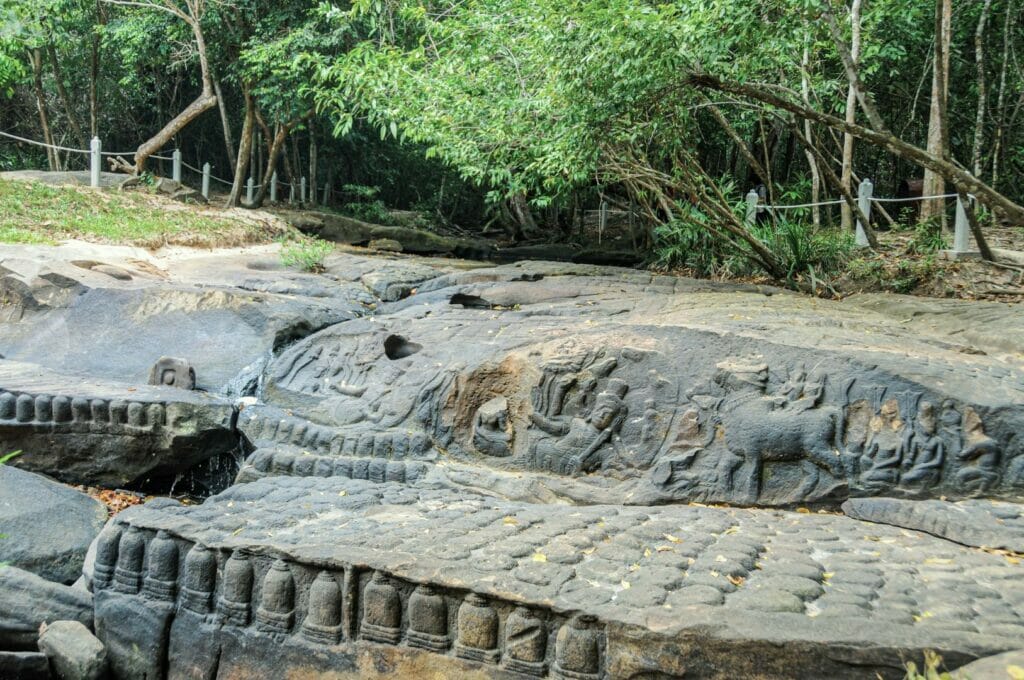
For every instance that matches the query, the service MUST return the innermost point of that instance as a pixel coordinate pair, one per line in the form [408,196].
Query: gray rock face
[328,564]
[646,390]
[1007,666]
[47,526]
[976,522]
[24,666]
[73,651]
[27,601]
[88,431]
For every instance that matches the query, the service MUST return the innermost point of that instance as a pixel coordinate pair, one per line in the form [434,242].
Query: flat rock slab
[855,597]
[27,601]
[47,526]
[87,431]
[974,522]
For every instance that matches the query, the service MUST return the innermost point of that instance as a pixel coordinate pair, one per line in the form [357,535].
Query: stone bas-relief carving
[172,372]
[352,589]
[645,416]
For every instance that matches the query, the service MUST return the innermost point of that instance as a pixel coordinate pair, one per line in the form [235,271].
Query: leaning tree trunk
[36,59]
[62,92]
[229,143]
[846,176]
[242,164]
[277,145]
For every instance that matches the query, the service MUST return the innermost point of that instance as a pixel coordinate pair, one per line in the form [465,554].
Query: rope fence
[865,192]
[96,154]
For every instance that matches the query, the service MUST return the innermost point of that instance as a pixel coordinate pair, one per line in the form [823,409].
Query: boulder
[47,526]
[28,601]
[388,245]
[73,651]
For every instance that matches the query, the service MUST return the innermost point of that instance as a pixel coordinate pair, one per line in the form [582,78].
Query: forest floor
[34,212]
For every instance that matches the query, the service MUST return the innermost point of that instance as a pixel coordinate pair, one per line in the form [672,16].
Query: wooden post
[864,202]
[176,165]
[250,187]
[302,191]
[206,181]
[273,187]
[752,199]
[95,162]
[291,194]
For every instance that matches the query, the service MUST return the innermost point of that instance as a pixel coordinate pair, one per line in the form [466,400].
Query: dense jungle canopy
[521,115]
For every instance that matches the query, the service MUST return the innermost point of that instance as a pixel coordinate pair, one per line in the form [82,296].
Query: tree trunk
[229,142]
[36,59]
[62,92]
[985,194]
[277,144]
[524,216]
[846,176]
[812,161]
[934,183]
[244,151]
[979,60]
[312,166]
[740,145]
[997,147]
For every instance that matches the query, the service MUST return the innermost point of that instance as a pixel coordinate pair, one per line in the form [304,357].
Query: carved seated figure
[490,428]
[883,451]
[173,372]
[575,444]
[924,450]
[978,461]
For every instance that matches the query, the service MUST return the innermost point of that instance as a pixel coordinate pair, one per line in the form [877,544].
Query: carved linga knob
[577,648]
[199,580]
[277,601]
[382,610]
[162,576]
[478,630]
[323,620]
[234,604]
[428,619]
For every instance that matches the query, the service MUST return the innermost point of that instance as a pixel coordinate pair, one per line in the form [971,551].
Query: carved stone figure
[478,630]
[491,428]
[173,372]
[883,451]
[577,649]
[323,620]
[428,619]
[978,460]
[382,611]
[526,642]
[575,444]
[235,603]
[277,599]
[755,428]
[923,450]
[200,576]
[130,554]
[162,573]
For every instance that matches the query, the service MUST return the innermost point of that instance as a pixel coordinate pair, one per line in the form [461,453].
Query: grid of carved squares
[347,605]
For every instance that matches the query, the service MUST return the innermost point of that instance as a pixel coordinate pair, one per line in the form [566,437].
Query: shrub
[307,254]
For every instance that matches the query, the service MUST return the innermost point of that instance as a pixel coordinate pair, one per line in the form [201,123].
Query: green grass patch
[31,212]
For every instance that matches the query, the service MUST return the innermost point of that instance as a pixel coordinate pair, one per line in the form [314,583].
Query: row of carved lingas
[379,470]
[26,408]
[389,444]
[121,554]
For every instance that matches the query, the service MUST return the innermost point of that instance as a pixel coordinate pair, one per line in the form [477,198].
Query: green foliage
[932,669]
[928,238]
[7,457]
[902,275]
[308,254]
[362,203]
[38,213]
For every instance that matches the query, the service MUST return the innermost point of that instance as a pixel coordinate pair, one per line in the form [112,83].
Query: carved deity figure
[575,443]
[883,451]
[978,460]
[923,450]
[490,428]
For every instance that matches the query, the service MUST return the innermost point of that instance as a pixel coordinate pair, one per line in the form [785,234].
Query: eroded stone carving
[573,444]
[173,372]
[491,433]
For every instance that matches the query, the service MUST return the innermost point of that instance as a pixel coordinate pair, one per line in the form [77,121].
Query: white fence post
[95,162]
[176,165]
[962,233]
[206,181]
[302,191]
[752,199]
[273,187]
[864,202]
[249,188]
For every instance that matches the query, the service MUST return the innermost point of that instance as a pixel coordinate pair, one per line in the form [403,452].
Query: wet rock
[24,666]
[104,433]
[73,651]
[27,601]
[47,526]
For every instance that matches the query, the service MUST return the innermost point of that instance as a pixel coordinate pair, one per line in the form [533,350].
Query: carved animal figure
[758,432]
